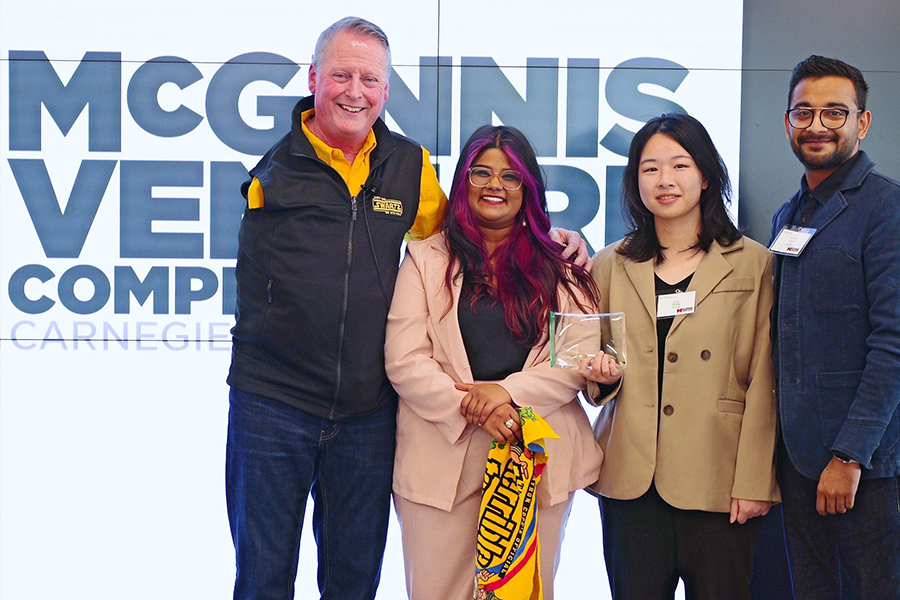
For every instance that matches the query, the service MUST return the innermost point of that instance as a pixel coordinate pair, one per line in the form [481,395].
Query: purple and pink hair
[522,158]
[524,273]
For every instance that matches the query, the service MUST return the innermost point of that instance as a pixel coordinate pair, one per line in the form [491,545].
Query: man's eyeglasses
[830,117]
[510,179]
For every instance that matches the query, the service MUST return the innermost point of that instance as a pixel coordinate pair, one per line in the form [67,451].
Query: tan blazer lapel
[713,268]
[641,276]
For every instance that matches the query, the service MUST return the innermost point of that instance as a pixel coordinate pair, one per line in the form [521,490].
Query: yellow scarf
[507,563]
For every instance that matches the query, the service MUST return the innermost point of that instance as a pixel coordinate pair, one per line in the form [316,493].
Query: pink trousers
[439,546]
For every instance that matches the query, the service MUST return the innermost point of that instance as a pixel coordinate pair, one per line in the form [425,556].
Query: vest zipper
[345,302]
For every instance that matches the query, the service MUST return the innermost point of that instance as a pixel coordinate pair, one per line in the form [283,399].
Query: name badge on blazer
[791,240]
[669,306]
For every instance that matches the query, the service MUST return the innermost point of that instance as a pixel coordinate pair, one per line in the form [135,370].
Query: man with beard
[836,350]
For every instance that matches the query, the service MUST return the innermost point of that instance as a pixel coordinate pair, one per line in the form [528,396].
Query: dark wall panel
[777,35]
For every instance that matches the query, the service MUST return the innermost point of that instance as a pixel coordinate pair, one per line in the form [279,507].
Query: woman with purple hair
[466,346]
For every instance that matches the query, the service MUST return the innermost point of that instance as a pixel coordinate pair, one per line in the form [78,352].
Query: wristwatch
[844,458]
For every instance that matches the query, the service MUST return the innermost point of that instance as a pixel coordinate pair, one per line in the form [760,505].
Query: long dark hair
[528,266]
[641,243]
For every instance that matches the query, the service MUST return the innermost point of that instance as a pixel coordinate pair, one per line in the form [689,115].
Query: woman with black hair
[689,428]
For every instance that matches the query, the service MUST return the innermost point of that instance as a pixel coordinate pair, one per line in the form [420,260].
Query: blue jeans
[276,455]
[862,544]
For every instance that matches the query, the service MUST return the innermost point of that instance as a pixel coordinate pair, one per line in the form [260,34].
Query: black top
[492,349]
[664,325]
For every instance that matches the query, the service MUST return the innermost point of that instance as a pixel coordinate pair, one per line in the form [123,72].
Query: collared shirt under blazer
[425,356]
[715,440]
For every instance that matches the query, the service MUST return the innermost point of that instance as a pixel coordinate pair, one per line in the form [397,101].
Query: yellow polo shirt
[432,201]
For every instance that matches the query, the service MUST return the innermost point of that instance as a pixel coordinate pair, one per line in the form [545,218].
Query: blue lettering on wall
[485,91]
[623,95]
[583,194]
[226,206]
[62,233]
[67,289]
[229,291]
[582,106]
[96,83]
[143,96]
[426,119]
[128,284]
[615,209]
[139,209]
[185,295]
[17,289]
[224,92]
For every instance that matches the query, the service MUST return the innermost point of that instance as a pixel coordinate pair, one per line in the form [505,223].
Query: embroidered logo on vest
[388,207]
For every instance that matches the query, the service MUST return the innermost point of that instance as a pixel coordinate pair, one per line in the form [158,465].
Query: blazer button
[705,355]
[672,357]
[668,409]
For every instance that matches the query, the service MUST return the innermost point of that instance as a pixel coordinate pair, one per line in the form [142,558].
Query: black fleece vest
[315,275]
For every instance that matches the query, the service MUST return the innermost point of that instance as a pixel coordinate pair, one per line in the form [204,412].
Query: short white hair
[355,25]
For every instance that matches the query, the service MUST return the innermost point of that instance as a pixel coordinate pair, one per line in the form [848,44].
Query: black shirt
[664,325]
[493,351]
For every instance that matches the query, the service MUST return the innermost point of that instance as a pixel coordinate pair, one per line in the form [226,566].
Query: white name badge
[675,305]
[791,240]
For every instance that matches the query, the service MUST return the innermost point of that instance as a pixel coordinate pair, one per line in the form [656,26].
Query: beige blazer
[425,356]
[714,440]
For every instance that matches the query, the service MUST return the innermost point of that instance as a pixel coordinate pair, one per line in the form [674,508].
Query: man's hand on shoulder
[837,487]
[575,247]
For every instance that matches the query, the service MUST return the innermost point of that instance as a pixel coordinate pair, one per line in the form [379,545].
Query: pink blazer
[425,356]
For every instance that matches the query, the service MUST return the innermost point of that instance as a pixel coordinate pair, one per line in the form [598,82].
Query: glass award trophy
[574,336]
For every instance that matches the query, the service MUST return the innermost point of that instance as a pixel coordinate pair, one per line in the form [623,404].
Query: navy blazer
[836,327]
